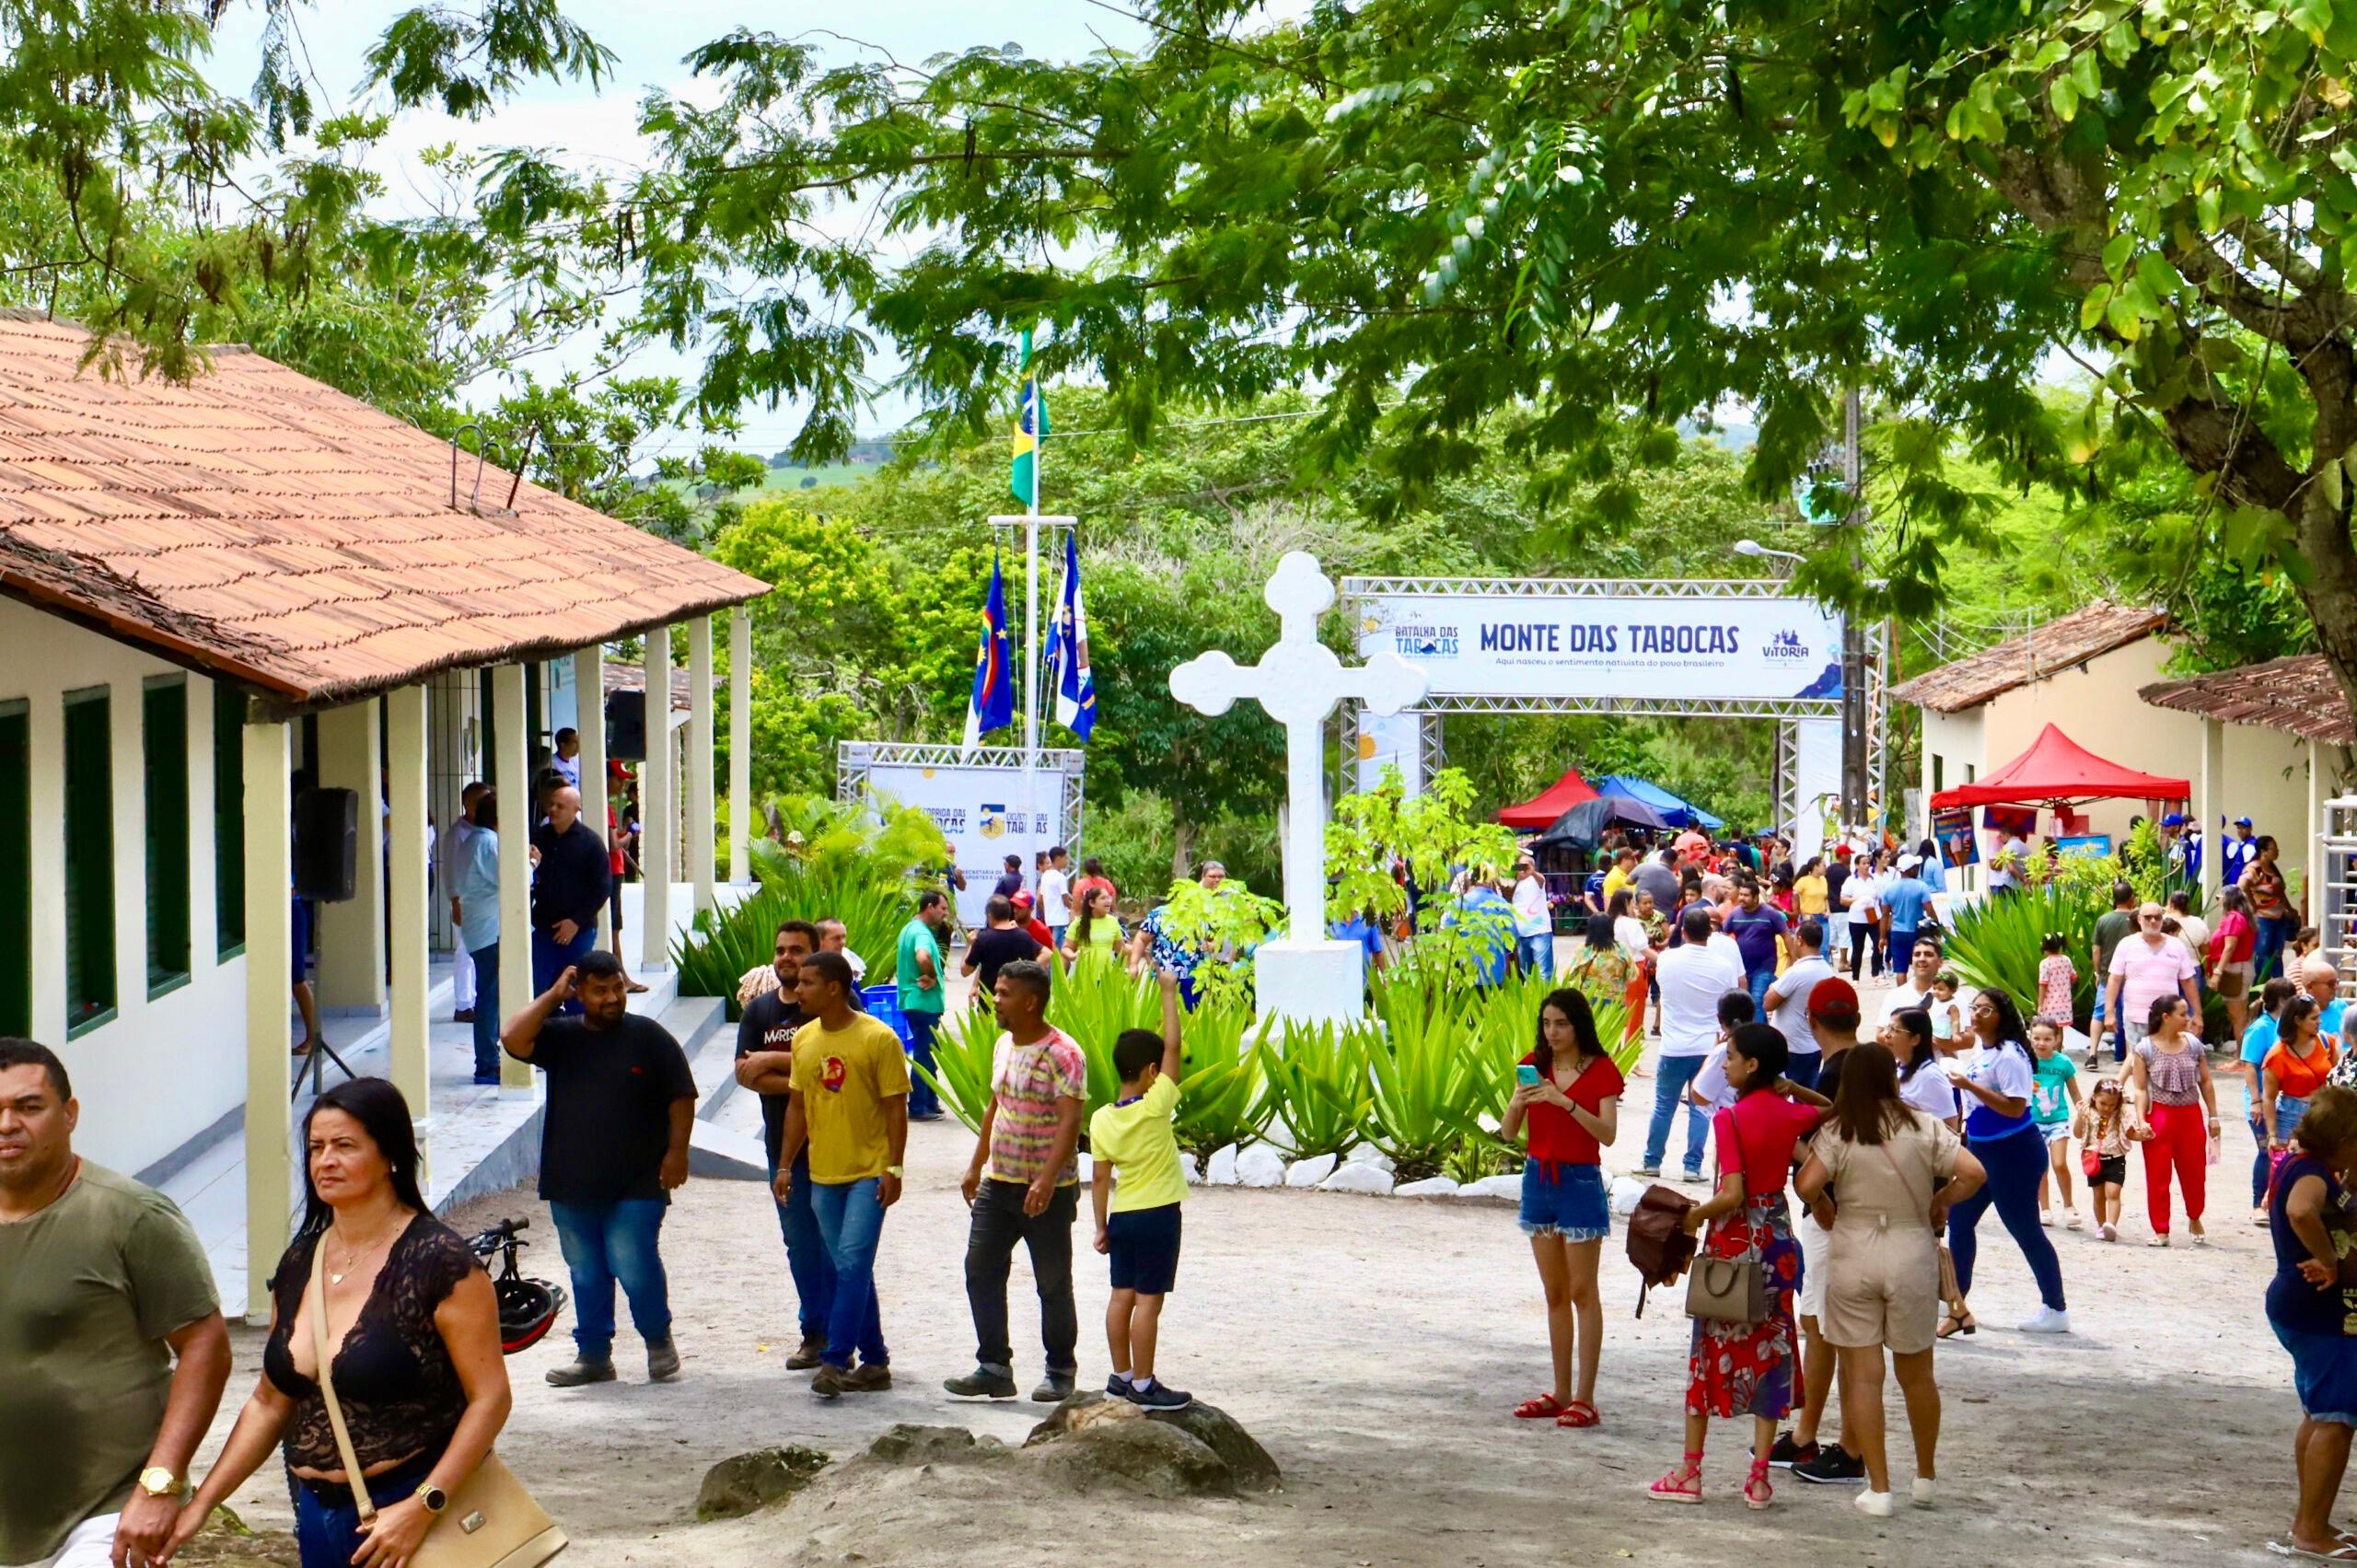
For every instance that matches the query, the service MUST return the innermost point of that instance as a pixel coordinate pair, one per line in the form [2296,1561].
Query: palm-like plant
[1226,1097]
[1319,1076]
[719,948]
[1997,944]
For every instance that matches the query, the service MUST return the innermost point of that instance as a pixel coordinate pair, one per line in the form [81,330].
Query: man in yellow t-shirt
[1137,1224]
[850,1104]
[1624,860]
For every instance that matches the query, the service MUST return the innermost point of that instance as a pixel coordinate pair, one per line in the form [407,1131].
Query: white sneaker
[1927,1491]
[2071,1221]
[2048,1321]
[2108,1232]
[1874,1503]
[2046,1218]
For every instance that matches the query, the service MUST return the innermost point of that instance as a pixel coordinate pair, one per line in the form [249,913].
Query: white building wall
[158,1072]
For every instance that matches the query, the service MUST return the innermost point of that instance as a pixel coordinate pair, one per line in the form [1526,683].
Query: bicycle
[527,1308]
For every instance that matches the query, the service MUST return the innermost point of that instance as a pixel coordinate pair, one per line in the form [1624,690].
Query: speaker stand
[317,1070]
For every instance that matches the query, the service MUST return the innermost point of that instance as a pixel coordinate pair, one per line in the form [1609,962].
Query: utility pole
[1856,765]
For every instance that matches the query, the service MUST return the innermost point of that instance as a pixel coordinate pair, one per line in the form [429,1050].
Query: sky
[595,127]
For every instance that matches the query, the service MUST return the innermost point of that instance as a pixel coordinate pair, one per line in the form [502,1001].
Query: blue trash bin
[882,1003]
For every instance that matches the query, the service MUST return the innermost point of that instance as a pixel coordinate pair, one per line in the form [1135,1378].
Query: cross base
[1310,983]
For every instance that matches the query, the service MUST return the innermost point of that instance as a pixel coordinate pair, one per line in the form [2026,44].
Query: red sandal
[1757,1492]
[1579,1412]
[1683,1484]
[1544,1408]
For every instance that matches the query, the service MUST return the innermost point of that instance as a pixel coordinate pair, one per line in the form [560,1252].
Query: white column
[270,960]
[589,698]
[2213,786]
[742,827]
[405,796]
[2311,874]
[351,931]
[699,813]
[659,812]
[510,751]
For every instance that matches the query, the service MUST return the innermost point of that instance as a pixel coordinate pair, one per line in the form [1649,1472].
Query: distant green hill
[786,478]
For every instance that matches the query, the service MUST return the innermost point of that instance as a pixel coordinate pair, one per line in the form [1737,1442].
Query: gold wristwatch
[158,1482]
[894,1171]
[433,1499]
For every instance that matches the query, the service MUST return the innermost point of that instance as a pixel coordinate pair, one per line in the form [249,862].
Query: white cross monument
[1302,977]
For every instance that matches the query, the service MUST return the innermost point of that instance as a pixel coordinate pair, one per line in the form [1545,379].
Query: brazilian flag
[1030,429]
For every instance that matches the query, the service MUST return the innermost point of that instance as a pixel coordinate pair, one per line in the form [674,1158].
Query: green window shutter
[16,870]
[89,860]
[229,818]
[164,735]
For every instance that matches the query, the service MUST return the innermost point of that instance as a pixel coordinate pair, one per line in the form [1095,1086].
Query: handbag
[2091,1162]
[1659,1248]
[492,1521]
[1730,1290]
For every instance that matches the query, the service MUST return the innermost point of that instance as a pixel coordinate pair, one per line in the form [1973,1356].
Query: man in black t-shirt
[765,1064]
[1002,942]
[571,877]
[613,1144]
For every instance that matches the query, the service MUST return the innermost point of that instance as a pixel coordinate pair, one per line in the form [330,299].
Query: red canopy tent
[2057,770]
[1542,809]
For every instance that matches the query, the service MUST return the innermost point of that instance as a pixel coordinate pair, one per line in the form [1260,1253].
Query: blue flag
[1068,672]
[992,706]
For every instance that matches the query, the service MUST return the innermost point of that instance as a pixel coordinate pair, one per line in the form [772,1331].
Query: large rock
[910,1443]
[1187,1169]
[1220,1169]
[1247,1463]
[1149,1457]
[1368,1178]
[1430,1187]
[1367,1154]
[1260,1166]
[1311,1171]
[1509,1186]
[741,1484]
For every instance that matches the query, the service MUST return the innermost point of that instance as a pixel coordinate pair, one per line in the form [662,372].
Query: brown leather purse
[492,1521]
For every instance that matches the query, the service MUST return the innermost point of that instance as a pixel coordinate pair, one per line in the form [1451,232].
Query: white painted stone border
[1366,1170]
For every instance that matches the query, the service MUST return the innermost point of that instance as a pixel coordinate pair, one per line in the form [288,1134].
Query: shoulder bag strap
[318,1299]
[1895,1170]
[1735,1134]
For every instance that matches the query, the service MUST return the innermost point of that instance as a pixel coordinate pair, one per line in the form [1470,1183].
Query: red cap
[1841,852]
[1021,901]
[614,769]
[1832,995]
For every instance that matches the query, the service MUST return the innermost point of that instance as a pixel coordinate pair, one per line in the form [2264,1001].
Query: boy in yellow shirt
[1137,1224]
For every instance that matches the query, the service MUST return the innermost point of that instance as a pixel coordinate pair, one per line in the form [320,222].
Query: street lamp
[1759,552]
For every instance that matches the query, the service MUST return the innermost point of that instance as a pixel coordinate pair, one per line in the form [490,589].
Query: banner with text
[988,810]
[1609,645]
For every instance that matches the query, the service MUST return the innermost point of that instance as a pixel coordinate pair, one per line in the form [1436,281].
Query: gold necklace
[354,1259]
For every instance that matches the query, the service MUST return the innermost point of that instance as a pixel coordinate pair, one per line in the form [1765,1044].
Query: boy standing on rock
[1137,1224]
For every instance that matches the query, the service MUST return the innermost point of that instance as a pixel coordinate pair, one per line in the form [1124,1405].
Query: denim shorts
[1565,1200]
[2324,1373]
[1143,1245]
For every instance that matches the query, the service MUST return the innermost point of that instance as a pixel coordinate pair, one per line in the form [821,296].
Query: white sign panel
[1607,644]
[986,810]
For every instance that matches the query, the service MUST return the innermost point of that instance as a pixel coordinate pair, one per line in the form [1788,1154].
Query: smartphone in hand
[1525,1075]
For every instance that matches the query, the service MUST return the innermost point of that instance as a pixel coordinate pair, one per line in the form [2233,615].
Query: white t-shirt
[1792,989]
[1693,980]
[570,767]
[1712,1083]
[2002,1068]
[1928,1091]
[1530,907]
[1904,996]
[1726,947]
[1055,897]
[2007,875]
[1630,933]
[1860,894]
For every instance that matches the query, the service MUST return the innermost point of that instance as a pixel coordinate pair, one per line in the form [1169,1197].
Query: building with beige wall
[2084,672]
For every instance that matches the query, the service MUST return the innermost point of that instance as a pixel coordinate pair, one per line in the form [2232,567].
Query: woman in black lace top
[415,1325]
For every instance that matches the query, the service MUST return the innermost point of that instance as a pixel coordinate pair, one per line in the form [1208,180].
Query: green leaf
[2091,308]
[2065,98]
[2116,251]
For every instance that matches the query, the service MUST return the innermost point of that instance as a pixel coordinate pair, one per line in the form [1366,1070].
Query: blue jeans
[851,1218]
[1672,1075]
[806,1250]
[486,1024]
[551,957]
[327,1535]
[2274,930]
[1757,984]
[1535,954]
[607,1242]
[923,1103]
[2015,1163]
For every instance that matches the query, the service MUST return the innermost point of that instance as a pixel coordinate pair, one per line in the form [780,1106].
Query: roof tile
[2067,639]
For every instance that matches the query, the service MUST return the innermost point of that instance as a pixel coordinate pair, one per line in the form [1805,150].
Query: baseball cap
[615,770]
[1910,862]
[1832,996]
[1842,852]
[2242,822]
[2174,819]
[1021,901]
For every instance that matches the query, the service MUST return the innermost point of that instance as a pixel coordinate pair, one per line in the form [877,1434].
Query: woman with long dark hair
[1899,1170]
[1567,1097]
[1995,1076]
[417,1365]
[1737,1369]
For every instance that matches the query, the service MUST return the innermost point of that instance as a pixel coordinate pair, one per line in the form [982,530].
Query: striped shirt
[1028,1080]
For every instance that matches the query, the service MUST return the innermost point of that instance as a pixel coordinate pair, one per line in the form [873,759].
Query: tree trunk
[1182,843]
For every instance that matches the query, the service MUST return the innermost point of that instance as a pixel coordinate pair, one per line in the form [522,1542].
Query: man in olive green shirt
[106,1286]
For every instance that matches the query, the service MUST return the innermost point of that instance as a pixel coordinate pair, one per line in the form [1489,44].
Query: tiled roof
[2297,695]
[260,524]
[2037,654]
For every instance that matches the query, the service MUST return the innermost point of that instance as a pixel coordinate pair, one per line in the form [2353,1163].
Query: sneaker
[2048,1321]
[829,1384]
[1832,1466]
[662,1360]
[463,1016]
[2046,1218]
[1117,1386]
[1874,1503]
[1053,1389]
[1692,1178]
[1648,1171]
[1927,1491]
[580,1370]
[2108,1232]
[808,1354]
[983,1383]
[2070,1220]
[1160,1395]
[872,1377]
[488,1078]
[1784,1453]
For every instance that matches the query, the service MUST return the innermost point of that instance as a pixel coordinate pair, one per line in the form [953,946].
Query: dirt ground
[1376,1346]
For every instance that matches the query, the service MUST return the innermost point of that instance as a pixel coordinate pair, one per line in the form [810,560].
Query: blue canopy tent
[1674,811]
